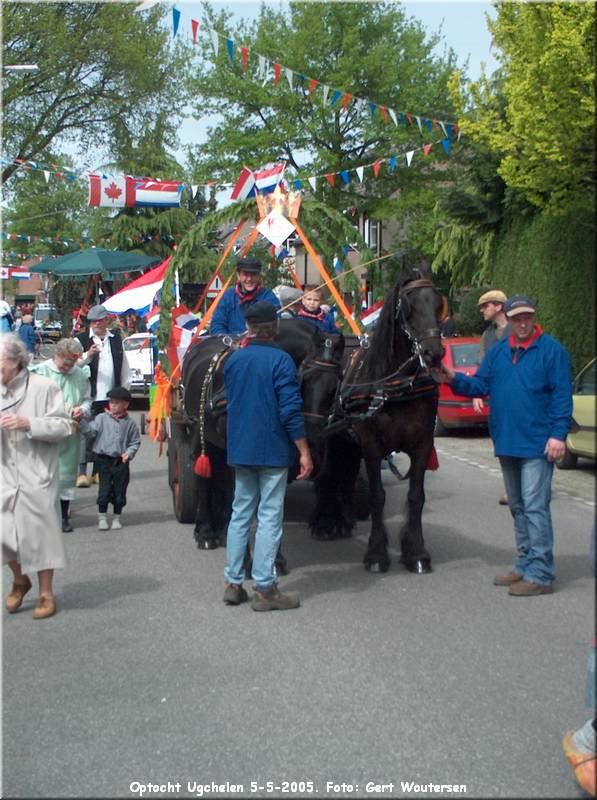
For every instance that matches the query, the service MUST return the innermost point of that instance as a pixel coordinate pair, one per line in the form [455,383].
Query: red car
[454,410]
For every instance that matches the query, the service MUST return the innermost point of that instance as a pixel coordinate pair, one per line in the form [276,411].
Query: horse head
[319,377]
[418,309]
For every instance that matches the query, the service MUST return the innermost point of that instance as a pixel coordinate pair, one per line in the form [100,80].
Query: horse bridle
[402,314]
[324,364]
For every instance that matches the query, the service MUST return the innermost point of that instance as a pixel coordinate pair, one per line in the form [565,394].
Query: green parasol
[95,261]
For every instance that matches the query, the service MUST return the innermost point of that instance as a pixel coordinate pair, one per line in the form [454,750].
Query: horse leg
[347,487]
[376,559]
[204,533]
[325,514]
[414,555]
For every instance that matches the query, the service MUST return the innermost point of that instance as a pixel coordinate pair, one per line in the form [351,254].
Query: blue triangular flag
[446,145]
[298,184]
[428,124]
[345,176]
[335,97]
[230,48]
[372,108]
[392,164]
[175,21]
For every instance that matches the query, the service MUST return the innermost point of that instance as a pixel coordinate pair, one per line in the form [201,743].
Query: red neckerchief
[517,346]
[302,312]
[122,415]
[246,297]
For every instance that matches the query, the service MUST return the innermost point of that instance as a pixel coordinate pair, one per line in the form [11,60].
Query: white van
[141,349]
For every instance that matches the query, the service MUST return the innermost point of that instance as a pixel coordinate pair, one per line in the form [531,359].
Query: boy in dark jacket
[117,439]
[310,310]
[264,430]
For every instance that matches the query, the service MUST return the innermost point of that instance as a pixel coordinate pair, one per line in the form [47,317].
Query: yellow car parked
[581,440]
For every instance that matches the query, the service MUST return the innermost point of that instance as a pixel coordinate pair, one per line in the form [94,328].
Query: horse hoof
[420,566]
[208,544]
[377,566]
[374,567]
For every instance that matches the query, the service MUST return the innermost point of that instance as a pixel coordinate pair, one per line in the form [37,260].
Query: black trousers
[114,476]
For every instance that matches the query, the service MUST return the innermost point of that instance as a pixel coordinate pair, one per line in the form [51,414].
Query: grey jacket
[113,436]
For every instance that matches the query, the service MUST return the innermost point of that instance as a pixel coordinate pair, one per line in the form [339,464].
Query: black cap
[120,393]
[261,312]
[248,265]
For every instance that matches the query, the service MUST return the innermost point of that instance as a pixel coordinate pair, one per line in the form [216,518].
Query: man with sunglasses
[528,376]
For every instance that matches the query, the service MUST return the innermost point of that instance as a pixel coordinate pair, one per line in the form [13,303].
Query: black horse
[202,418]
[387,401]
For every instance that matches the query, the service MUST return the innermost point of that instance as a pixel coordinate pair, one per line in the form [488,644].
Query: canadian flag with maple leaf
[113,191]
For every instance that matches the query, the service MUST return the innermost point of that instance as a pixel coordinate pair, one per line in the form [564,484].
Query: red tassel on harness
[202,466]
[432,461]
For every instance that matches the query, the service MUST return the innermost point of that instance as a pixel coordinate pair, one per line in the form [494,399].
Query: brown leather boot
[507,578]
[17,593]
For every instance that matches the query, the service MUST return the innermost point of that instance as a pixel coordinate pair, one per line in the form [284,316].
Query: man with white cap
[104,354]
[528,377]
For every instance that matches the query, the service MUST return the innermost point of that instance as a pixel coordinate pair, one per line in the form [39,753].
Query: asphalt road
[145,678]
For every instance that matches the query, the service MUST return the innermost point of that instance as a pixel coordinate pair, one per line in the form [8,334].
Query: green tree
[103,70]
[370,49]
[541,123]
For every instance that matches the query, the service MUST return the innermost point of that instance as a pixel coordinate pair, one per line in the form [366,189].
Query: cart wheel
[143,424]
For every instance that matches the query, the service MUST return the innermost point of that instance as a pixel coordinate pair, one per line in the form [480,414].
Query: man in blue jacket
[264,430]
[529,379]
[229,316]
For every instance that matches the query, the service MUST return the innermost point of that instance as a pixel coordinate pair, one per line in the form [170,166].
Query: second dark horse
[387,402]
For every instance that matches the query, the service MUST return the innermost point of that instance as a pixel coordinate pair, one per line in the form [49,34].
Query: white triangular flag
[409,157]
[215,40]
[47,175]
[392,113]
[326,91]
[261,68]
[360,172]
[443,127]
[313,182]
[419,123]
[289,74]
[194,188]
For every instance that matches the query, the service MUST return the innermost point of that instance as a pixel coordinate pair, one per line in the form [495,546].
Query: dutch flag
[263,181]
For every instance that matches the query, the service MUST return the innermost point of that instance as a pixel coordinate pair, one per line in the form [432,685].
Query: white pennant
[46,175]
[289,74]
[409,157]
[313,182]
[215,40]
[194,188]
[326,91]
[419,123]
[261,68]
[392,113]
[443,127]
[360,172]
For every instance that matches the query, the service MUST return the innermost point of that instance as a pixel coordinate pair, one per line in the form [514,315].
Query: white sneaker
[116,524]
[102,523]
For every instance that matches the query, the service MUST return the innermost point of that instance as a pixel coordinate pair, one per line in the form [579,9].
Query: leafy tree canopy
[369,49]
[103,70]
[538,113]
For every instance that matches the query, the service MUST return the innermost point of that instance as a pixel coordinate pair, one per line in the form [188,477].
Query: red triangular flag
[312,86]
[277,73]
[427,148]
[384,113]
[195,27]
[376,168]
[244,54]
[330,178]
[347,99]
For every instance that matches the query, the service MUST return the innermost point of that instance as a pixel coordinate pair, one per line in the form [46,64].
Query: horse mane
[383,353]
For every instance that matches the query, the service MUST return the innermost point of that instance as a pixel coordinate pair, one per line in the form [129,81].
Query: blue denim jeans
[260,491]
[528,486]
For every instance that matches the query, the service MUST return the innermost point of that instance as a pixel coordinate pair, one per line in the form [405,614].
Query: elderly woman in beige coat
[33,422]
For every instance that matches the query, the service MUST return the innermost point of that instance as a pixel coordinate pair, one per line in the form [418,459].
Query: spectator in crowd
[310,310]
[107,361]
[528,378]
[491,306]
[26,333]
[6,320]
[117,439]
[73,381]
[264,430]
[229,316]
[33,422]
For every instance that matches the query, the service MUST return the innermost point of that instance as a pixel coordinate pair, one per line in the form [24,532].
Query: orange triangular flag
[347,99]
[312,86]
[427,148]
[277,73]
[244,54]
[195,27]
[376,168]
[330,178]
[384,113]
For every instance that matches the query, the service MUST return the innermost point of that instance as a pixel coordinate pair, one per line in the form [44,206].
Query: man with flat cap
[229,316]
[265,429]
[104,354]
[528,377]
